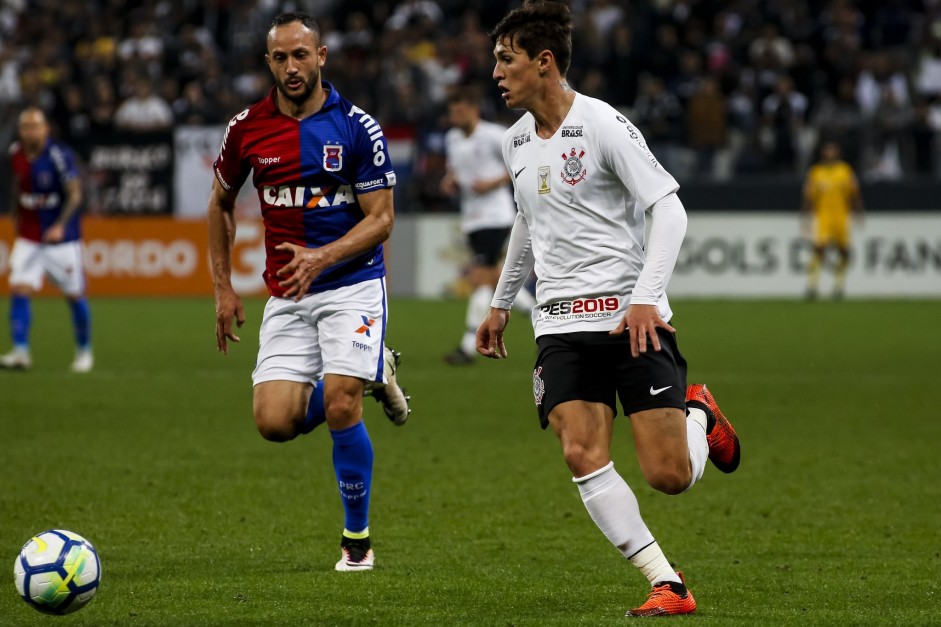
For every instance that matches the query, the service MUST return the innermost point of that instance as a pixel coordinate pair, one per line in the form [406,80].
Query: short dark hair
[469,94]
[289,18]
[536,26]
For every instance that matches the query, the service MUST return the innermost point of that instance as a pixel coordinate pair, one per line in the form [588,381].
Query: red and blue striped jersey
[41,193]
[308,173]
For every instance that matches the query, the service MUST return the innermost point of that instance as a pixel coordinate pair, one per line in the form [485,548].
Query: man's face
[462,114]
[516,74]
[295,57]
[830,152]
[34,130]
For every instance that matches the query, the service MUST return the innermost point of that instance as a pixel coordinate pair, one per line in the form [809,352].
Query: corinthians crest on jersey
[573,170]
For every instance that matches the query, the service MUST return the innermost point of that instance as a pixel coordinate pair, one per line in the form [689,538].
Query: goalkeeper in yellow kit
[831,195]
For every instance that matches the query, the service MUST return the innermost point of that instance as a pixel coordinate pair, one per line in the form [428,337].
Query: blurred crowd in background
[720,89]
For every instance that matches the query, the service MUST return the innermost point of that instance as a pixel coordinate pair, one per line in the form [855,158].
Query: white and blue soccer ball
[57,572]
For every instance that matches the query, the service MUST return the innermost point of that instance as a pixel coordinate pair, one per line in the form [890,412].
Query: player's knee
[583,460]
[343,408]
[669,479]
[273,426]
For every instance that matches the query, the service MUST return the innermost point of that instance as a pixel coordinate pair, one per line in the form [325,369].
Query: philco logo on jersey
[571,131]
[289,196]
[333,158]
[375,134]
[636,136]
[225,137]
[573,171]
[519,140]
[581,308]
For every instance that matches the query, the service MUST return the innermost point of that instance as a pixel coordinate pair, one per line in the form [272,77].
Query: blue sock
[352,461]
[81,322]
[316,414]
[21,317]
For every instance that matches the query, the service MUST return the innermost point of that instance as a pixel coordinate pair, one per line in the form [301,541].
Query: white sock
[651,561]
[698,446]
[477,308]
[614,508]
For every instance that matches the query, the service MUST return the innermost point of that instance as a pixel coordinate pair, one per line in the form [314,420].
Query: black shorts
[597,367]
[487,245]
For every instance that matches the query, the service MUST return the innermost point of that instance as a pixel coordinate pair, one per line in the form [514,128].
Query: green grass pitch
[833,518]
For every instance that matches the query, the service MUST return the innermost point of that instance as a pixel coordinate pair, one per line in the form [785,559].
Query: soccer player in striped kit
[47,195]
[324,180]
[585,183]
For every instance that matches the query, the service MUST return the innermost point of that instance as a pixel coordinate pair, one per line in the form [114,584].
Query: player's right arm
[807,205]
[15,202]
[516,269]
[221,238]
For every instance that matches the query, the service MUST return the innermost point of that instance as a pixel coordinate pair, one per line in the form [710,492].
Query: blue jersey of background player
[47,194]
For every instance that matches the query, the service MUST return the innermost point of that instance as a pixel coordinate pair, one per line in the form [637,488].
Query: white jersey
[475,157]
[583,194]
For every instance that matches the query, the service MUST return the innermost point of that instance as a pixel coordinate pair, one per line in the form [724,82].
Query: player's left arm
[856,198]
[73,200]
[807,205]
[667,230]
[625,152]
[372,230]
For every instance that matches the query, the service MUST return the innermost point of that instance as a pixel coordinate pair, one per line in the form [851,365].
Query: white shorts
[339,331]
[30,261]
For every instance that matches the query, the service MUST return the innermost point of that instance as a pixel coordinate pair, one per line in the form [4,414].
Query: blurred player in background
[831,194]
[584,180]
[474,150]
[324,180]
[47,194]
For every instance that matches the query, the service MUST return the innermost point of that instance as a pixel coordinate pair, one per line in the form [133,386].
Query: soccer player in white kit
[584,182]
[475,170]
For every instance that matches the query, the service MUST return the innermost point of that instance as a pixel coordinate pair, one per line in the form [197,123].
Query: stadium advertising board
[765,255]
[154,257]
[739,255]
[131,174]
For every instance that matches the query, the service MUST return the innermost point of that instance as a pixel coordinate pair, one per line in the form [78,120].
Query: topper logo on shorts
[367,322]
[601,307]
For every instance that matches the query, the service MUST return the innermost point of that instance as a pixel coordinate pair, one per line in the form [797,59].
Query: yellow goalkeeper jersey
[831,188]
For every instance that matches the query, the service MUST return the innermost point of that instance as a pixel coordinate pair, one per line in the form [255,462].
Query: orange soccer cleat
[667,598]
[724,448]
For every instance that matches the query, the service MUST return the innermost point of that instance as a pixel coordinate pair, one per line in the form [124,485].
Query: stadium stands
[721,89]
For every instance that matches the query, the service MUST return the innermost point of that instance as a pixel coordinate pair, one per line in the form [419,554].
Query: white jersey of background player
[474,149]
[476,157]
[591,182]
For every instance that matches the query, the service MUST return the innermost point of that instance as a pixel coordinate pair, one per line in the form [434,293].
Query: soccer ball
[57,572]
